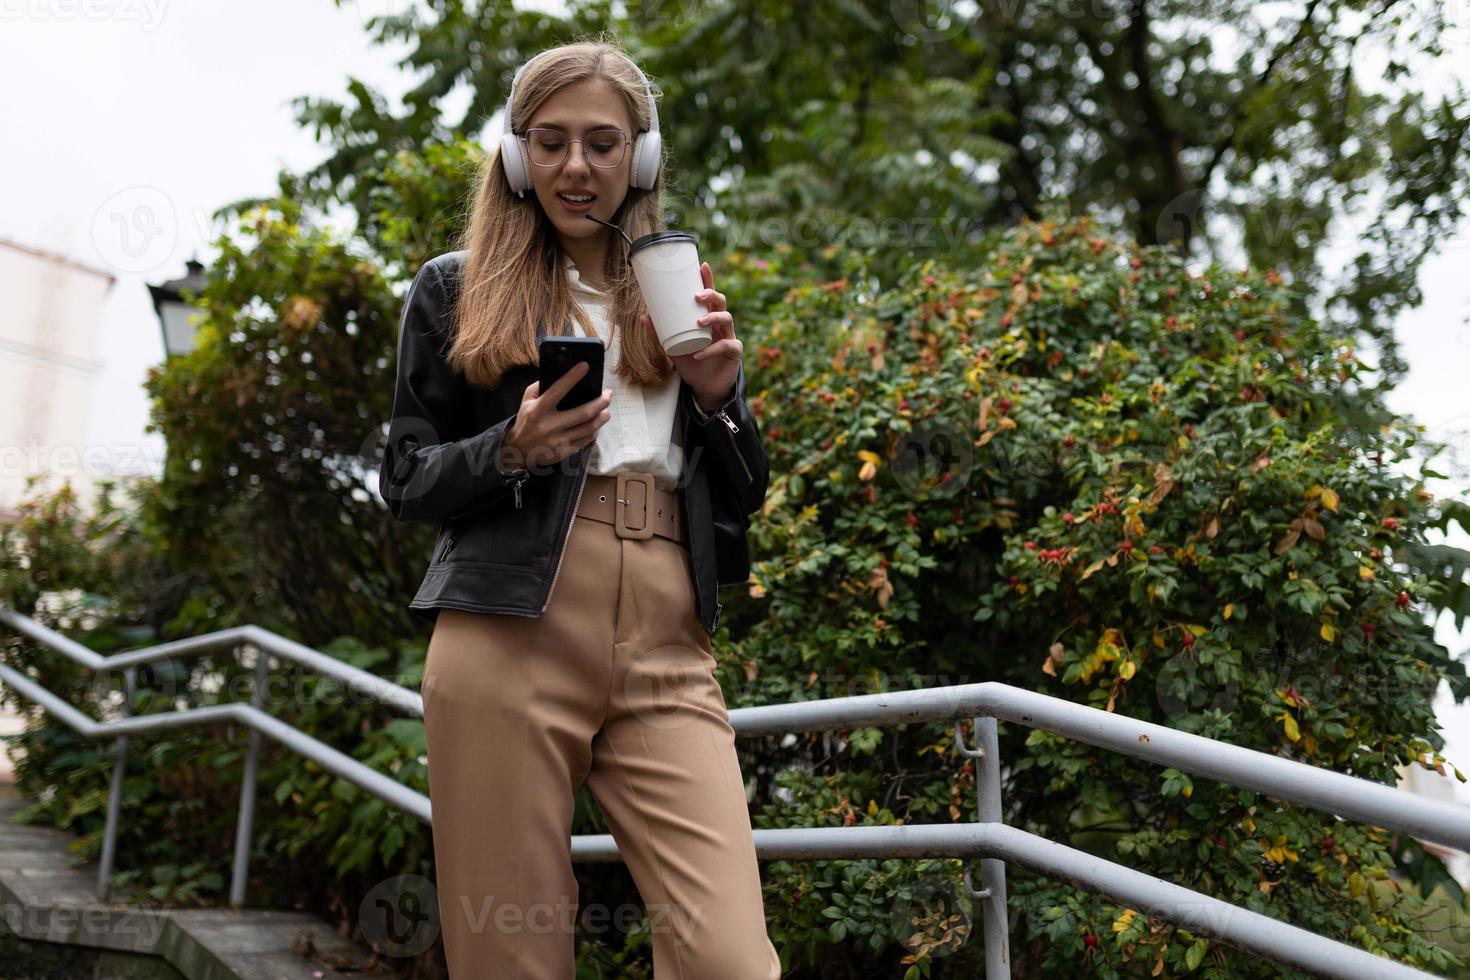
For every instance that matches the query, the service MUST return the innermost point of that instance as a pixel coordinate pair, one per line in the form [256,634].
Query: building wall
[49,310]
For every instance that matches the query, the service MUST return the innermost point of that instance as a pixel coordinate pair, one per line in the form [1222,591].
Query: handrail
[988,838]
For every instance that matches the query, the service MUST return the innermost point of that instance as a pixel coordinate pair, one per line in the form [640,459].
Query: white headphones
[647,146]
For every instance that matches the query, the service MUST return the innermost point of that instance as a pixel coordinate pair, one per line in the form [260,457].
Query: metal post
[992,893]
[244,826]
[114,796]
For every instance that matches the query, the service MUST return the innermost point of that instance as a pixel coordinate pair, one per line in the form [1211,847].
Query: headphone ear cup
[647,153]
[513,161]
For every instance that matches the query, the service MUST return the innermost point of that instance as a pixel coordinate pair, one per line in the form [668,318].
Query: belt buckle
[638,503]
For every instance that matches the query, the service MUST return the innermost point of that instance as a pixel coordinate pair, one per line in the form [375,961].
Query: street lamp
[176,316]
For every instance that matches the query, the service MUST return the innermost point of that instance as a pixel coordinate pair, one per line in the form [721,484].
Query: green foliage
[1231,129]
[1150,500]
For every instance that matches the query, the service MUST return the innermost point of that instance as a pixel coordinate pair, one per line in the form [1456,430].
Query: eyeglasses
[603,148]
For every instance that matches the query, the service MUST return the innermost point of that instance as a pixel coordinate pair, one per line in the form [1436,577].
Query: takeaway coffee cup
[666,265]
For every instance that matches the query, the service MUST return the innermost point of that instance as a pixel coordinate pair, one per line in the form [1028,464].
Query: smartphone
[558,354]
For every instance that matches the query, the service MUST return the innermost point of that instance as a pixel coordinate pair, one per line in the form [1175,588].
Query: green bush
[1082,469]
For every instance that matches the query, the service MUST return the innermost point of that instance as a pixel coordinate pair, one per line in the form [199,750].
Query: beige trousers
[612,686]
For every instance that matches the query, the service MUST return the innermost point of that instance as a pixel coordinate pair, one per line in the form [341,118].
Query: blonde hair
[513,269]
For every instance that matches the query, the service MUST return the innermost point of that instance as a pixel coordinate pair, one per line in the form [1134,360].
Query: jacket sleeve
[732,437]
[427,476]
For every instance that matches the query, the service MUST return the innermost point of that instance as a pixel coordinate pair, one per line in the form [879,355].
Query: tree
[1235,131]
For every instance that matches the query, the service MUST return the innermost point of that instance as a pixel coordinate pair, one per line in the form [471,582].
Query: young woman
[572,588]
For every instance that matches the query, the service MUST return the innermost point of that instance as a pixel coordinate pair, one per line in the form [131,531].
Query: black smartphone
[558,354]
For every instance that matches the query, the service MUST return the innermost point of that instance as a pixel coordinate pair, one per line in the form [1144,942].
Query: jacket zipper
[576,500]
[734,445]
[453,540]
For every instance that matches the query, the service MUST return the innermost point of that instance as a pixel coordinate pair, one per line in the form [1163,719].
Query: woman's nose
[576,159]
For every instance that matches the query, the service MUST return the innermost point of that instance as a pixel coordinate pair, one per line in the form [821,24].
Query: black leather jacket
[502,534]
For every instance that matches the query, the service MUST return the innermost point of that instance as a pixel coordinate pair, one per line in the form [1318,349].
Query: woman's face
[585,110]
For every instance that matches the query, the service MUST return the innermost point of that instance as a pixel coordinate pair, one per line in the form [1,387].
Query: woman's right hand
[541,435]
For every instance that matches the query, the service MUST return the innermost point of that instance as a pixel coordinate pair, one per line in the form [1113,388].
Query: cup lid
[659,237]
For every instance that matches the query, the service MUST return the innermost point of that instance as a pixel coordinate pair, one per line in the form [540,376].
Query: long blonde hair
[513,270]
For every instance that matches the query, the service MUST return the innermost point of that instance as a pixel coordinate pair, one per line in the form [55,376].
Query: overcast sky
[124,130]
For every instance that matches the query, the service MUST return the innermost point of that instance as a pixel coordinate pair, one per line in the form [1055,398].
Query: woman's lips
[576,208]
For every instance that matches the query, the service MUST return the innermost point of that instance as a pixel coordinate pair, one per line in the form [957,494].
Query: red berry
[1390,523]
[1090,941]
[1138,263]
[1154,549]
[1015,579]
[1375,554]
[984,352]
[1403,599]
[1240,335]
[1126,546]
[913,520]
[1004,404]
[1017,278]
[1006,321]
[1030,545]
[1189,639]
[1368,630]
[1067,518]
[903,405]
[1069,442]
[1328,843]
[929,280]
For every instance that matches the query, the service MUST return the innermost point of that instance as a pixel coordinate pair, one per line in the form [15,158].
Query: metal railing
[988,838]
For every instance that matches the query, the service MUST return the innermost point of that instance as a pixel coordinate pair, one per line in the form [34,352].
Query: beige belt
[633,505]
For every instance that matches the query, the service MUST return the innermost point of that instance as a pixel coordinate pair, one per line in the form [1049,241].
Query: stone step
[51,898]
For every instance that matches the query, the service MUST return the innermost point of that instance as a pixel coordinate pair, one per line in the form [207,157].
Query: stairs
[53,919]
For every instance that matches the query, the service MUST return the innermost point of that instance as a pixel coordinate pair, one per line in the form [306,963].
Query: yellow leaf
[1122,922]
[1365,573]
[1229,608]
[1092,568]
[1357,884]
[1328,633]
[1187,789]
[1289,724]
[869,470]
[1247,824]
[1127,669]
[870,456]
[1329,499]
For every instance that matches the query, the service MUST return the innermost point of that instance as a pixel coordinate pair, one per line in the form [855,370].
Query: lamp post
[174,315]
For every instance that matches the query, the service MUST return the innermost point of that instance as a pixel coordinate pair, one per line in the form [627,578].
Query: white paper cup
[666,265]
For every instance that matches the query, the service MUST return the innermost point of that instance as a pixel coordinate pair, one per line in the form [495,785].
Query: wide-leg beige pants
[613,686]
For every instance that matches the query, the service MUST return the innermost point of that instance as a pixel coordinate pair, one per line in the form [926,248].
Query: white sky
[161,111]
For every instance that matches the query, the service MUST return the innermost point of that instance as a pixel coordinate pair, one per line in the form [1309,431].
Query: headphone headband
[647,145]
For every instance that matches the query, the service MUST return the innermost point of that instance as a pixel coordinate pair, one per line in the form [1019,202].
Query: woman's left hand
[710,373]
